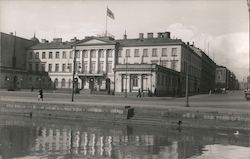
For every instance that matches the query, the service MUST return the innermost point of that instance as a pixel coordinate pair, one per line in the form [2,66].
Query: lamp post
[126,90]
[187,100]
[74,70]
[248,4]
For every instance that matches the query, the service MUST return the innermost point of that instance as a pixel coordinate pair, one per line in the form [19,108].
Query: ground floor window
[134,80]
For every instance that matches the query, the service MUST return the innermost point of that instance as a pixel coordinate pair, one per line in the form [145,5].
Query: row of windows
[146,54]
[68,67]
[65,54]
[64,67]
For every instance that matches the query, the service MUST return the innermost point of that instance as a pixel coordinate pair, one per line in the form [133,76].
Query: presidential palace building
[155,64]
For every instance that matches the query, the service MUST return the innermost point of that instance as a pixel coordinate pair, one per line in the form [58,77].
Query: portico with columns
[97,60]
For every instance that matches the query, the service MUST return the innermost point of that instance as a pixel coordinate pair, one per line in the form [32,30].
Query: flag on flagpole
[110,13]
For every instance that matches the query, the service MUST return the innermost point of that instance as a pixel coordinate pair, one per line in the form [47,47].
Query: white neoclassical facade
[54,58]
[152,64]
[97,59]
[170,54]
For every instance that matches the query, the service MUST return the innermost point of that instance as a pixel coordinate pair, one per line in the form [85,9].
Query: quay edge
[179,117]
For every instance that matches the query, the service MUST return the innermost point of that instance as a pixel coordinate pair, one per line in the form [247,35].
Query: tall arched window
[56,83]
[63,83]
[69,83]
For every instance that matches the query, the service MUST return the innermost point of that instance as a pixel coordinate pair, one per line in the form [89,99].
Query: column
[128,83]
[113,61]
[105,61]
[89,61]
[82,61]
[97,61]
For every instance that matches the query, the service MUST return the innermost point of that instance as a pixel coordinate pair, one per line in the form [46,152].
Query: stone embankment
[176,116]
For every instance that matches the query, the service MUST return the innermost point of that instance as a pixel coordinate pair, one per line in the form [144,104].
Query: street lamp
[126,90]
[74,70]
[248,4]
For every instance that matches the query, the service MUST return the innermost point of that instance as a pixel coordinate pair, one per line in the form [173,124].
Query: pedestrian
[32,88]
[139,93]
[40,95]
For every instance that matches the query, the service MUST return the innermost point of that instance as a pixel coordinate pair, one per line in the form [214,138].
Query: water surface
[25,138]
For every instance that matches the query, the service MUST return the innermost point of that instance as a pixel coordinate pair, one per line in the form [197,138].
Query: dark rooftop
[52,45]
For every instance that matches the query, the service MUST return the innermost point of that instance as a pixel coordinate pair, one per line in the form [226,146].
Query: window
[69,67]
[63,67]
[77,54]
[120,53]
[30,67]
[145,52]
[44,55]
[30,55]
[69,83]
[85,66]
[43,67]
[136,53]
[93,54]
[109,53]
[164,52]
[56,83]
[101,66]
[154,61]
[92,67]
[57,68]
[37,55]
[173,64]
[101,53]
[50,68]
[127,53]
[154,52]
[174,51]
[64,54]
[50,55]
[70,54]
[63,83]
[164,63]
[37,67]
[57,55]
[109,67]
[85,53]
[134,81]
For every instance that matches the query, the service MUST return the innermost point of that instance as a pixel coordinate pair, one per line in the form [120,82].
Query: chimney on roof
[58,40]
[159,35]
[192,43]
[188,43]
[44,41]
[141,36]
[150,35]
[166,35]
[11,33]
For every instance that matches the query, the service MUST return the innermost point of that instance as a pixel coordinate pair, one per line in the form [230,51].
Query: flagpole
[106,29]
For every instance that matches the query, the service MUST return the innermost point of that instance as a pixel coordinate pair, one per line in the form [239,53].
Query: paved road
[233,101]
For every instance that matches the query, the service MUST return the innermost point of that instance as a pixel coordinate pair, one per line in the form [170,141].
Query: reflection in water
[72,139]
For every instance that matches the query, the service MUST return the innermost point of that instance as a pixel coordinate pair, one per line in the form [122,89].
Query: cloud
[230,50]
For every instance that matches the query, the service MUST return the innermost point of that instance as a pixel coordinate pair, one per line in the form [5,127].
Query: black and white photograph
[124,79]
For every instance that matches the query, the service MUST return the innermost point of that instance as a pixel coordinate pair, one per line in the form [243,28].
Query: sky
[219,27]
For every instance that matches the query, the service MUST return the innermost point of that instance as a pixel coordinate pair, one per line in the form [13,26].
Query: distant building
[225,80]
[208,67]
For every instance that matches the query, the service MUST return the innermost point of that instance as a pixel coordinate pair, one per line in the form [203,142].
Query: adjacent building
[208,67]
[13,72]
[156,64]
